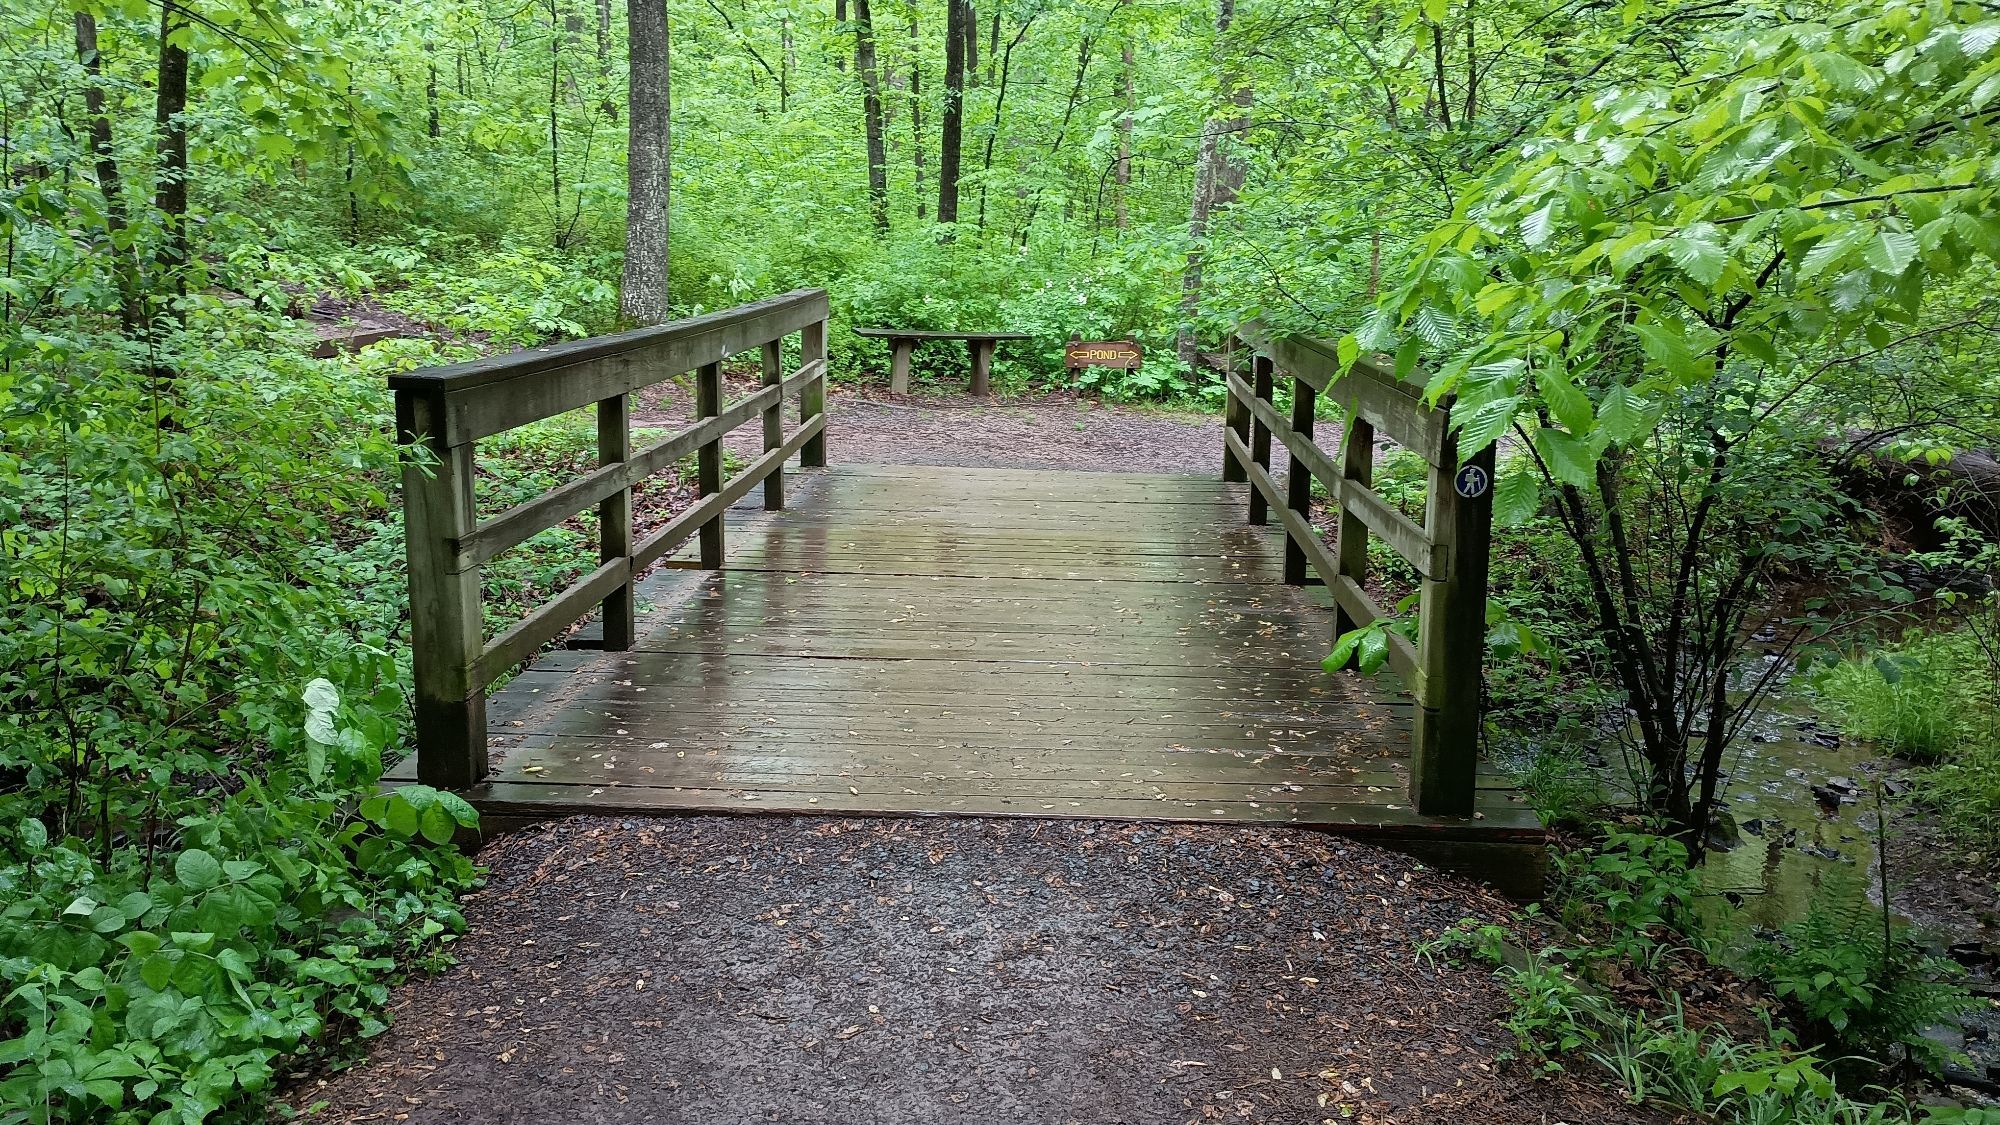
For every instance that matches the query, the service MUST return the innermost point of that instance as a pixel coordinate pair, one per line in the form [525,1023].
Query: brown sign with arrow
[1124,354]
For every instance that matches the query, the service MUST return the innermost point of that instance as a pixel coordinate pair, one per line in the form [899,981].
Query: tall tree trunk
[124,271]
[432,125]
[1122,171]
[604,39]
[993,41]
[916,111]
[170,194]
[839,25]
[999,106]
[954,110]
[642,298]
[871,110]
[1217,180]
[972,43]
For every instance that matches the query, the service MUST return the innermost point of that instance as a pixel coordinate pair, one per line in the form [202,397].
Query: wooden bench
[903,341]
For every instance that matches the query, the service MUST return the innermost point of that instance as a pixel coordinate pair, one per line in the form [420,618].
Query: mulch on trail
[1055,430]
[876,971]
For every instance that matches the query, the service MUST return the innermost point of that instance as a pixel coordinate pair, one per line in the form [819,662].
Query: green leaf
[320,695]
[1891,252]
[1483,425]
[1374,649]
[460,809]
[401,818]
[437,824]
[1664,344]
[1516,498]
[1347,350]
[34,834]
[197,870]
[1570,460]
[1570,406]
[1699,253]
[1621,416]
[1343,651]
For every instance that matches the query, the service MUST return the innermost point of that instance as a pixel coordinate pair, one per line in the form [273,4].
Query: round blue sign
[1472,482]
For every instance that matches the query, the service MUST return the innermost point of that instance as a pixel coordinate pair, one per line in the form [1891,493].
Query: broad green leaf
[1516,498]
[1570,405]
[1664,344]
[437,824]
[1483,425]
[1890,252]
[1373,650]
[1570,460]
[1621,415]
[320,695]
[1699,253]
[197,870]
[401,818]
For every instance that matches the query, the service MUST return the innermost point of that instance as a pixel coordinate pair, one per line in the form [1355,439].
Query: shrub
[1910,701]
[1868,990]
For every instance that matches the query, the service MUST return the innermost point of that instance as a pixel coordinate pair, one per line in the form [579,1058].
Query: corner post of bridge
[708,461]
[774,423]
[445,624]
[1298,477]
[614,519]
[1451,635]
[1261,369]
[812,399]
[1235,416]
[1357,474]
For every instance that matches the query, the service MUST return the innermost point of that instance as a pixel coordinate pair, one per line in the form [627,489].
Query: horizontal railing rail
[445,411]
[1449,550]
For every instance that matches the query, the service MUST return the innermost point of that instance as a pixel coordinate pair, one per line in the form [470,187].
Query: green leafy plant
[1862,983]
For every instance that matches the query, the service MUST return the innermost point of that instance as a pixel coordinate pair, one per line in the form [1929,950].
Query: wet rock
[1754,826]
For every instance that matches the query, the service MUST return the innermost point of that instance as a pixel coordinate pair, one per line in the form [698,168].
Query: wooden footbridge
[920,640]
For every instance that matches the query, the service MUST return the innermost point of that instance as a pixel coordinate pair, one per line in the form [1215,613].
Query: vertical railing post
[1298,478]
[1357,470]
[1260,434]
[774,424]
[1451,635]
[812,400]
[708,460]
[445,627]
[614,518]
[1236,416]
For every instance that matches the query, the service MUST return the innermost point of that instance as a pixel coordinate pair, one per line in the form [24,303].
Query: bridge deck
[919,640]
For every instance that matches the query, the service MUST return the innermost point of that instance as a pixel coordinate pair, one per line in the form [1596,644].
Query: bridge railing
[1448,550]
[445,411]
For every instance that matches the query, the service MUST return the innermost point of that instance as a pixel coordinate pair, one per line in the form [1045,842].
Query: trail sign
[1078,354]
[1472,482]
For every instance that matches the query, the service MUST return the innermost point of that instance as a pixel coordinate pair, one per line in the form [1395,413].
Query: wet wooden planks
[938,641]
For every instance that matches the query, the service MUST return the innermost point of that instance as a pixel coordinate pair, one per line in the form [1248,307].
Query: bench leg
[982,367]
[899,365]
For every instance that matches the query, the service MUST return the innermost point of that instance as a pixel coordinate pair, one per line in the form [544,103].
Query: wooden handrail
[442,412]
[1449,551]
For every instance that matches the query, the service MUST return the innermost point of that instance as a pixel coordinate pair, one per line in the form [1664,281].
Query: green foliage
[1917,701]
[1634,894]
[1868,991]
[173,981]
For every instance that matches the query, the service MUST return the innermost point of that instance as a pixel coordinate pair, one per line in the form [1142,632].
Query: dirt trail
[881,971]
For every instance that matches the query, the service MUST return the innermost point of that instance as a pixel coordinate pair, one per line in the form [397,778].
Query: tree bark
[1122,171]
[954,110]
[871,111]
[839,25]
[642,297]
[124,270]
[972,44]
[916,111]
[170,193]
[1217,180]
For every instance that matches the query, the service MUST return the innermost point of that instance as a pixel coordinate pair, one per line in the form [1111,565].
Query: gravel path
[1052,431]
[887,971]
